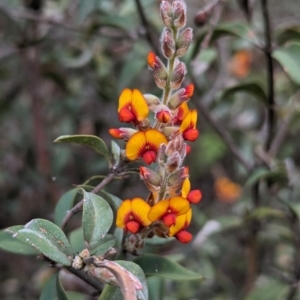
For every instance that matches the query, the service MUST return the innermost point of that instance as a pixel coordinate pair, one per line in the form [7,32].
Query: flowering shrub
[160,131]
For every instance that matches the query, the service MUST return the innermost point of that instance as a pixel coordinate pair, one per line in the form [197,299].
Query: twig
[210,95]
[78,207]
[271,121]
[224,135]
[147,27]
[279,137]
[86,278]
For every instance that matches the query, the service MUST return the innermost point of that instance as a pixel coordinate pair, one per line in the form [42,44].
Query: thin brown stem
[86,278]
[78,207]
[148,29]
[271,118]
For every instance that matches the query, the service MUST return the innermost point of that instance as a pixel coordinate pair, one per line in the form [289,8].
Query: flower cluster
[167,210]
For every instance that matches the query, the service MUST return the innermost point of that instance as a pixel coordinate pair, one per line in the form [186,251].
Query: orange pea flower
[188,126]
[181,113]
[168,210]
[193,196]
[178,230]
[227,191]
[145,144]
[132,215]
[132,106]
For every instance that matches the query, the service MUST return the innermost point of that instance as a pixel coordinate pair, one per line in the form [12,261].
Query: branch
[78,207]
[210,95]
[147,26]
[86,278]
[271,120]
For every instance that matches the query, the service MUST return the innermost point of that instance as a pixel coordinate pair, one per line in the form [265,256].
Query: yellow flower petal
[181,222]
[194,116]
[186,186]
[158,210]
[189,121]
[123,211]
[135,144]
[155,138]
[140,208]
[142,140]
[139,105]
[125,98]
[179,205]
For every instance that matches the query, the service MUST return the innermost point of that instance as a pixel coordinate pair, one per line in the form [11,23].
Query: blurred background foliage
[63,65]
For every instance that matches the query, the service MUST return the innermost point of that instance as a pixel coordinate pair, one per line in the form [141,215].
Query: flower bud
[183,42]
[168,131]
[166,13]
[168,44]
[160,73]
[174,162]
[176,144]
[177,75]
[179,13]
[163,114]
[176,178]
[151,100]
[122,133]
[180,96]
[151,179]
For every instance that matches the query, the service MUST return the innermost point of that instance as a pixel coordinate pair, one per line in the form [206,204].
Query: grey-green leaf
[97,219]
[91,141]
[48,239]
[154,265]
[10,244]
[116,151]
[64,204]
[251,87]
[53,289]
[288,58]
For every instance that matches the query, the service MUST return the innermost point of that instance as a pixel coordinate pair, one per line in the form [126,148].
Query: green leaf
[113,200]
[289,58]
[79,61]
[53,289]
[288,34]
[97,219]
[113,293]
[116,151]
[48,239]
[251,87]
[85,8]
[77,242]
[107,242]
[132,68]
[156,287]
[266,212]
[234,29]
[274,176]
[87,140]
[49,290]
[10,244]
[154,265]
[65,203]
[61,294]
